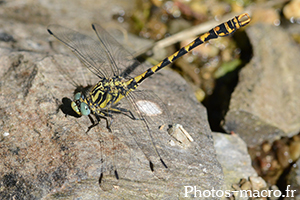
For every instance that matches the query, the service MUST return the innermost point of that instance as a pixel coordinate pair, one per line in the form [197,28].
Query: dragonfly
[119,79]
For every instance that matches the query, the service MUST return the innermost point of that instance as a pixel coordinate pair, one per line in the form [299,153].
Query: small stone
[292,9]
[258,183]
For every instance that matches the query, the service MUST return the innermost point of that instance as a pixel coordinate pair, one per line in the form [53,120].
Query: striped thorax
[105,93]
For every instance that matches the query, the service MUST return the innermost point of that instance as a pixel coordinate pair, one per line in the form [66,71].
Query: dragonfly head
[80,107]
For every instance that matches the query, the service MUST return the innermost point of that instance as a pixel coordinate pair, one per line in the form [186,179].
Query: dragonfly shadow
[66,108]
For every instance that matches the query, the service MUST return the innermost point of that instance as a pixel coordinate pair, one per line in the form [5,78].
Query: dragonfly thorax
[106,92]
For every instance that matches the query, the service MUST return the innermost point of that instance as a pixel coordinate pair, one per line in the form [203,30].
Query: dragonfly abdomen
[221,30]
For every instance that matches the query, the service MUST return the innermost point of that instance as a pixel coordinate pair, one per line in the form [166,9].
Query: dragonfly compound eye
[84,109]
[77,96]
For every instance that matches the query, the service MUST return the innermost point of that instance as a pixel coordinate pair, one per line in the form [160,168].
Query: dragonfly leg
[93,123]
[98,119]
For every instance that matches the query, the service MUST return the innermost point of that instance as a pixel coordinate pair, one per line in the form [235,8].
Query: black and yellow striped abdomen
[111,91]
[221,30]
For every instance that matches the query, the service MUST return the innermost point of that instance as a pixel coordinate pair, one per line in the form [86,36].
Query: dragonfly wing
[124,62]
[115,159]
[75,74]
[147,125]
[88,50]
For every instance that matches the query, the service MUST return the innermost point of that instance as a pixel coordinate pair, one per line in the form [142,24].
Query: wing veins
[107,52]
[79,45]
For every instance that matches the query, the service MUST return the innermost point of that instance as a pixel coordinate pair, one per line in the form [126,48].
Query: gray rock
[234,158]
[47,155]
[265,103]
[293,182]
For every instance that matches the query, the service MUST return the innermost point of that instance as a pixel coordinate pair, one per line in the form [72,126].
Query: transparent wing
[73,72]
[124,62]
[104,57]
[110,153]
[148,126]
[88,50]
[115,158]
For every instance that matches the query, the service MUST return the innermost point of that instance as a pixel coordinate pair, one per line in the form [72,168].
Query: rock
[47,155]
[291,10]
[265,103]
[258,183]
[293,182]
[234,158]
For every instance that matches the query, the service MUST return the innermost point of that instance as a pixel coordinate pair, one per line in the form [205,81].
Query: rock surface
[234,158]
[265,103]
[293,181]
[45,155]
[233,155]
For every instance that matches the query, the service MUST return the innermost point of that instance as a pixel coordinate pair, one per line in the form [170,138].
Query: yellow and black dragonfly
[116,92]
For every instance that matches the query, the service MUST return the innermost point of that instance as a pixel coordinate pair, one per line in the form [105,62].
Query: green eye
[77,96]
[84,109]
[75,108]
